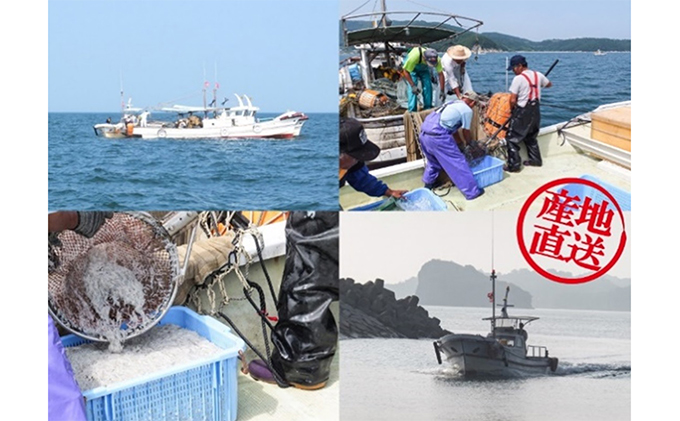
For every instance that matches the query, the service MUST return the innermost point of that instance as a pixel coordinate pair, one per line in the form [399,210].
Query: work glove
[90,222]
[53,243]
[415,90]
[442,96]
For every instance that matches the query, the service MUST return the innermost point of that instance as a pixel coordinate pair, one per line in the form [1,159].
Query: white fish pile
[158,350]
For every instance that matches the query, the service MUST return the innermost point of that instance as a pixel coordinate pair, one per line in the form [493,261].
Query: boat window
[240,112]
[507,341]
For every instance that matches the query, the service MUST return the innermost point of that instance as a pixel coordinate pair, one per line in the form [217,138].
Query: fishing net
[117,284]
[474,152]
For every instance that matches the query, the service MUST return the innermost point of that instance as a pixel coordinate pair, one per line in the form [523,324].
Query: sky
[283,54]
[536,20]
[394,246]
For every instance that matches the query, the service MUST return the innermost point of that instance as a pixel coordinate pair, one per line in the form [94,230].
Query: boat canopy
[513,321]
[412,28]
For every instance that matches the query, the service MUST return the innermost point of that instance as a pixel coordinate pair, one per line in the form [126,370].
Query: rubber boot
[305,338]
[514,159]
[533,152]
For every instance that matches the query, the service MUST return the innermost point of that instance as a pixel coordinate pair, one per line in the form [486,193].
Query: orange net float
[497,114]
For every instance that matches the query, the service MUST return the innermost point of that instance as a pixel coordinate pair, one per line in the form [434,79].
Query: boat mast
[493,302]
[385,23]
[383,5]
[493,283]
[206,84]
[216,86]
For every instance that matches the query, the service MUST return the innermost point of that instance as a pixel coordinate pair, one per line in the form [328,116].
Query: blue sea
[87,172]
[581,81]
[400,379]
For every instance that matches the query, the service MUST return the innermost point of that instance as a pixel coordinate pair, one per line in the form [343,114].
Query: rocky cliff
[369,310]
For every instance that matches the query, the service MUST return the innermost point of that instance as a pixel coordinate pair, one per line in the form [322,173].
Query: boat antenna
[216,86]
[206,84]
[122,94]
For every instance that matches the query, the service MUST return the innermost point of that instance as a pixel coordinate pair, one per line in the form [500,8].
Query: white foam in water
[157,350]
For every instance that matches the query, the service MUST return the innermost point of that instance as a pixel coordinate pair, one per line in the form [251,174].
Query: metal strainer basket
[117,284]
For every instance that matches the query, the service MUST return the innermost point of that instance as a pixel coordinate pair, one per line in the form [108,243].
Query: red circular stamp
[571,225]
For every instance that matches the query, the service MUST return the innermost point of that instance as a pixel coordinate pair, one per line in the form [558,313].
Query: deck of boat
[259,401]
[560,160]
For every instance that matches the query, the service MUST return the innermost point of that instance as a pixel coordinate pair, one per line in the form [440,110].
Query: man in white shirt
[525,120]
[453,63]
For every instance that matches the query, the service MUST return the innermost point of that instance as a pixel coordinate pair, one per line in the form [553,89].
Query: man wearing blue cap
[525,121]
[417,67]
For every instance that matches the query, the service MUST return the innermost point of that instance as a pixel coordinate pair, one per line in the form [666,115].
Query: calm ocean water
[399,379]
[87,172]
[581,81]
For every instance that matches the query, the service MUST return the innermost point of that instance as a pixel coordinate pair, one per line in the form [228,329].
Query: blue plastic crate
[622,197]
[420,199]
[488,171]
[204,390]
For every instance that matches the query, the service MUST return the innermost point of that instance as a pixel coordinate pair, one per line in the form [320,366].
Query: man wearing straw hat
[453,63]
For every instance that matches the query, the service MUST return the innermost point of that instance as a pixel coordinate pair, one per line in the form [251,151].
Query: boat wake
[599,371]
[593,370]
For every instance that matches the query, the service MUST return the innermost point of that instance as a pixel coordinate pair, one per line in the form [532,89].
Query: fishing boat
[238,122]
[600,53]
[370,86]
[504,352]
[595,145]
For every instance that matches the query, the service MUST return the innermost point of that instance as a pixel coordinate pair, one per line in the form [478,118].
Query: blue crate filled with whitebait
[204,389]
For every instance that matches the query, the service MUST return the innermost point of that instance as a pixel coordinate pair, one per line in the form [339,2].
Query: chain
[233,265]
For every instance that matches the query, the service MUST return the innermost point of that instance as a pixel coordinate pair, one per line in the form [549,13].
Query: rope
[267,360]
[365,3]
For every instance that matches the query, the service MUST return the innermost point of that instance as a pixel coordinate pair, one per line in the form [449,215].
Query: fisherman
[64,398]
[417,68]
[143,118]
[457,79]
[355,150]
[525,120]
[437,134]
[194,121]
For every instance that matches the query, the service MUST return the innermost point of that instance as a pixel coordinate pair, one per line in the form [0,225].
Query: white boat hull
[280,130]
[475,355]
[284,126]
[110,131]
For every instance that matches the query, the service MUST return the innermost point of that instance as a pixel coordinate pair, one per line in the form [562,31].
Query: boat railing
[537,351]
